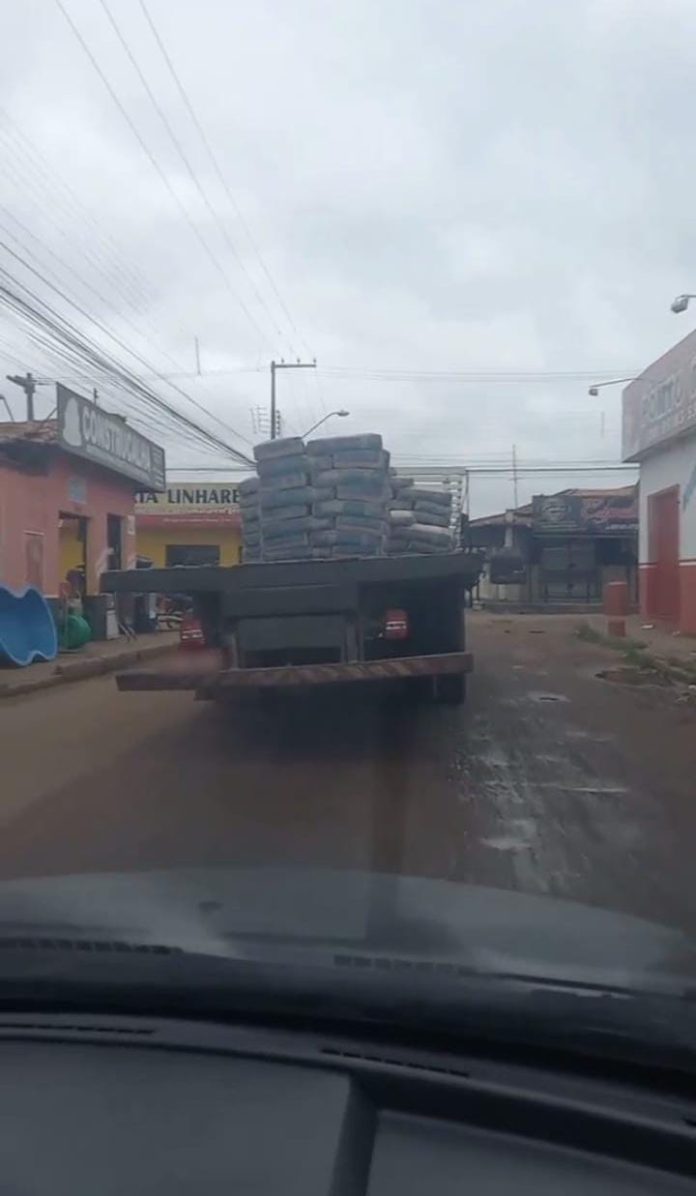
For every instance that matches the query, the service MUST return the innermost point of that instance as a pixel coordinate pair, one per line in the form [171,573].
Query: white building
[659,432]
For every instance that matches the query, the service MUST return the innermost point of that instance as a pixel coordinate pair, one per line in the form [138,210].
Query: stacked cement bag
[251,520]
[419,519]
[285,499]
[350,509]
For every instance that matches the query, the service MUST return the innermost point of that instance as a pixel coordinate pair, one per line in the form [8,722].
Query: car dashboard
[114,1105]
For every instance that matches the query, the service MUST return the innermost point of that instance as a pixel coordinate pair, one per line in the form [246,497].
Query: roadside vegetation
[655,668]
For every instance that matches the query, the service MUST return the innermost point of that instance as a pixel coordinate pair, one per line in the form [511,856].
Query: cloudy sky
[413,192]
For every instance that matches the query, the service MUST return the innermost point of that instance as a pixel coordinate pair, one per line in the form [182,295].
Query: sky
[464,213]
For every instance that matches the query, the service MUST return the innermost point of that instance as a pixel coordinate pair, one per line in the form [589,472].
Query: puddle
[544,697]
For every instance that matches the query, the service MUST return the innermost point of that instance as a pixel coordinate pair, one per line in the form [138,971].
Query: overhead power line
[407,375]
[68,336]
[217,265]
[187,164]
[219,173]
[116,339]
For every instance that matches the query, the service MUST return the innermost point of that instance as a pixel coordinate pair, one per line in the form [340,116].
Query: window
[193,554]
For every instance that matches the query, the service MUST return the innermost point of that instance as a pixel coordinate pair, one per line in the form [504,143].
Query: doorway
[663,541]
[114,541]
[72,549]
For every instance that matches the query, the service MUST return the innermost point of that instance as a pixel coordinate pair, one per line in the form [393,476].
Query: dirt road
[550,780]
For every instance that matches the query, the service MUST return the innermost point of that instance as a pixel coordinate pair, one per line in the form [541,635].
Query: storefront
[560,549]
[67,497]
[659,432]
[190,523]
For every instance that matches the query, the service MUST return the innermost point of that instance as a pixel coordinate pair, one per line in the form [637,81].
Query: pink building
[67,495]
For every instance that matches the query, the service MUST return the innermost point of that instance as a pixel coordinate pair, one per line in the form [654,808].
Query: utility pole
[28,385]
[514,475]
[284,365]
[197,349]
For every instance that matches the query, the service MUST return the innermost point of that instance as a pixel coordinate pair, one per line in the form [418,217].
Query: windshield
[348,492]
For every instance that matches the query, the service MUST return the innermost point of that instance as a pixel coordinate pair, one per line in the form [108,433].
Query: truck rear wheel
[450,689]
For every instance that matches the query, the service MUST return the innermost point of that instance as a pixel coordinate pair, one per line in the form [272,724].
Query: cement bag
[248,487]
[371,485]
[401,519]
[346,538]
[439,498]
[287,553]
[432,518]
[275,528]
[286,446]
[350,506]
[274,466]
[328,445]
[318,462]
[291,480]
[420,533]
[346,551]
[355,476]
[293,539]
[361,459]
[366,523]
[273,500]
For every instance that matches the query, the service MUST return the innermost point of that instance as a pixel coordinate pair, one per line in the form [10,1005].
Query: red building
[67,495]
[659,432]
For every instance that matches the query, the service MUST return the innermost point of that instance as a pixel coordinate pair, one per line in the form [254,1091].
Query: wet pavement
[549,780]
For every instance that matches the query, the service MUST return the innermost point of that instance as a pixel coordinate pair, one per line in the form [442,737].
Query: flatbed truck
[318,623]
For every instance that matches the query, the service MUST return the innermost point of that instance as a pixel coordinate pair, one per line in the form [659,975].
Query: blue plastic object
[27,629]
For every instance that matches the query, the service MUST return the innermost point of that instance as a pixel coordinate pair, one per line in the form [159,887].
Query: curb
[81,670]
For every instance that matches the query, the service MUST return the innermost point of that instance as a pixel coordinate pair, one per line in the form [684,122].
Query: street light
[341,414]
[597,386]
[681,303]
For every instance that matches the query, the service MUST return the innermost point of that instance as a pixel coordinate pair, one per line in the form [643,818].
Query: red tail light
[191,633]
[396,625]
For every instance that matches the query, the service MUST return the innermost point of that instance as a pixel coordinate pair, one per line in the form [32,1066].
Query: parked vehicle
[322,622]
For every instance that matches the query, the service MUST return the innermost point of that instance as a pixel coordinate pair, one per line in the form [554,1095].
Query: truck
[285,625]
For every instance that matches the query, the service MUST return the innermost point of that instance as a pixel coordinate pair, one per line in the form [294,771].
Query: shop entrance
[663,534]
[114,541]
[72,550]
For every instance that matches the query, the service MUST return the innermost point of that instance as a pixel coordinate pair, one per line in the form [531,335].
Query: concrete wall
[30,507]
[673,466]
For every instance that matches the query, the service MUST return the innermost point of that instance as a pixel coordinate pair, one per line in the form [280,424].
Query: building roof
[523,515]
[37,431]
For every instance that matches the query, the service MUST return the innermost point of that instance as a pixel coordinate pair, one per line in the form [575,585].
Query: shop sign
[593,515]
[661,404]
[191,498]
[194,501]
[90,432]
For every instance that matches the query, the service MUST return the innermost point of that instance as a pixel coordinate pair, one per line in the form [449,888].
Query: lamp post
[681,303]
[341,414]
[597,386]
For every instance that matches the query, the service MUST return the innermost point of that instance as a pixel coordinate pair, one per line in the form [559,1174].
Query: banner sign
[88,431]
[599,515]
[193,504]
[661,404]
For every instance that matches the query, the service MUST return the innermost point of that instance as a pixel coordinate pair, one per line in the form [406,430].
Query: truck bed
[201,579]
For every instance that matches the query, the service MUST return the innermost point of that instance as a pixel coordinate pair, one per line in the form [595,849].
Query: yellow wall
[71,553]
[152,541]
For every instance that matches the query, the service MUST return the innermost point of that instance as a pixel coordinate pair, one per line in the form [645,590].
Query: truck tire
[450,689]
